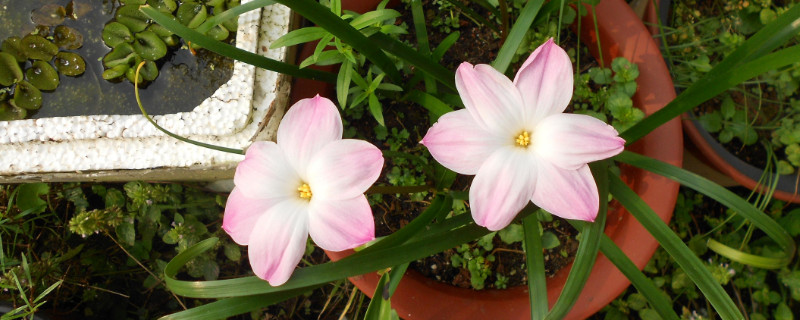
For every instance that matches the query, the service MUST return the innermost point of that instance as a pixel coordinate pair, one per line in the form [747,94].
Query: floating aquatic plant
[133,38]
[21,87]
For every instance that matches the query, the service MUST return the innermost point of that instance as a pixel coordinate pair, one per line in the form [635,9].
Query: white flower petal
[503,186]
[337,225]
[241,214]
[265,173]
[491,98]
[458,143]
[279,241]
[344,169]
[307,127]
[545,81]
[570,194]
[572,140]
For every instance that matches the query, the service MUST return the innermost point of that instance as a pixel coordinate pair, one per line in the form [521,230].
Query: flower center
[523,139]
[305,191]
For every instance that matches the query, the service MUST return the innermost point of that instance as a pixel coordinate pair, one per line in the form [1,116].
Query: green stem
[537,284]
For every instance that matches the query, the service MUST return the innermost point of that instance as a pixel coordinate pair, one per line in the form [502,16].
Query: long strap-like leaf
[233,52]
[685,258]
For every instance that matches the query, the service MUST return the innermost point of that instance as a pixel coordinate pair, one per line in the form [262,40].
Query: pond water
[184,80]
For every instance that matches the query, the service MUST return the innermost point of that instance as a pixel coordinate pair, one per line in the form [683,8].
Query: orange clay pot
[621,34]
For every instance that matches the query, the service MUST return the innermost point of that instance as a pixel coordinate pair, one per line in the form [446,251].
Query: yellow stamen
[523,139]
[305,191]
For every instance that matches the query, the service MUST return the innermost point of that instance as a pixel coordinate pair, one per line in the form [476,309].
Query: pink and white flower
[311,182]
[516,140]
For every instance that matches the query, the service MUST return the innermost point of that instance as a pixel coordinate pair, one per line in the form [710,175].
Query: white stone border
[110,142]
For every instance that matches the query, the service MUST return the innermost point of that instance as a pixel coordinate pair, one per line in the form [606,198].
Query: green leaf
[191,14]
[131,17]
[591,233]
[727,107]
[512,233]
[436,107]
[69,64]
[517,35]
[38,48]
[67,38]
[26,96]
[690,263]
[373,17]
[600,75]
[550,240]
[42,76]
[343,83]
[10,112]
[782,312]
[233,52]
[534,260]
[299,36]
[380,307]
[149,45]
[376,109]
[323,17]
[712,122]
[116,33]
[28,197]
[126,233]
[232,252]
[10,72]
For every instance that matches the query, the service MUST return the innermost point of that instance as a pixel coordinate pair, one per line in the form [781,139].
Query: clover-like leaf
[121,54]
[26,96]
[130,74]
[116,33]
[42,76]
[149,71]
[70,64]
[49,15]
[38,48]
[11,45]
[67,38]
[149,45]
[115,71]
[165,6]
[10,71]
[132,18]
[160,30]
[192,14]
[218,32]
[8,111]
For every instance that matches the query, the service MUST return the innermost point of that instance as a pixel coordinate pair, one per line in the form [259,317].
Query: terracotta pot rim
[742,172]
[410,299]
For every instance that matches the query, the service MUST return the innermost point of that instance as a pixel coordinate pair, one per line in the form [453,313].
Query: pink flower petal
[491,98]
[338,225]
[278,241]
[458,143]
[241,214]
[308,126]
[344,169]
[502,187]
[573,140]
[570,194]
[265,173]
[545,81]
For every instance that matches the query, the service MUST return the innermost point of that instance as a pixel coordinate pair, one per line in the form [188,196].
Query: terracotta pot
[715,162]
[622,34]
[713,153]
